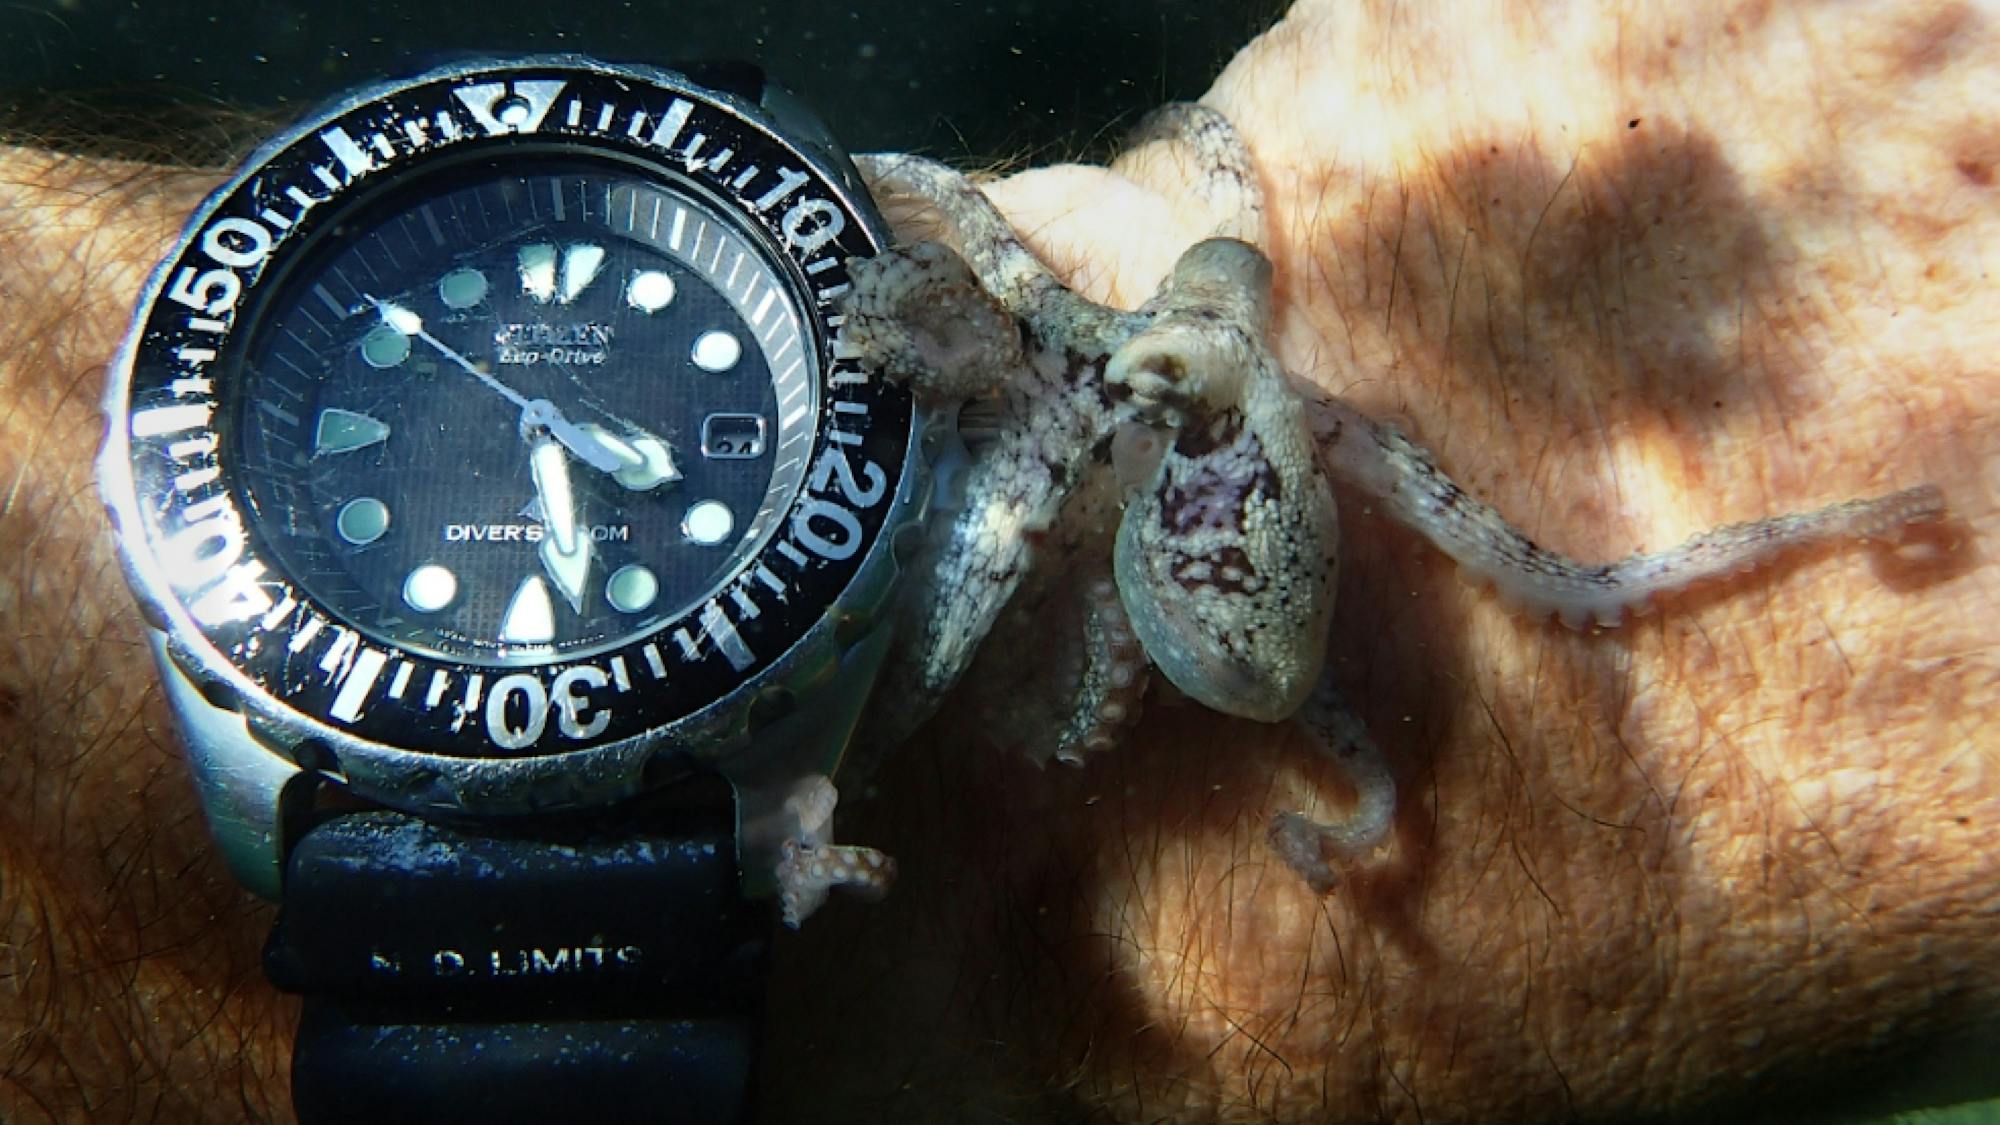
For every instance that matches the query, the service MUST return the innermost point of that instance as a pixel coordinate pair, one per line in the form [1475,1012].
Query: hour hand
[542,415]
[645,462]
[566,547]
[641,462]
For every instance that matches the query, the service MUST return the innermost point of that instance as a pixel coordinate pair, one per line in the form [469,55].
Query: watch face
[493,414]
[524,407]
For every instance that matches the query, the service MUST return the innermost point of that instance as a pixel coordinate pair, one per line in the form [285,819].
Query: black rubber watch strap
[606,972]
[348,1069]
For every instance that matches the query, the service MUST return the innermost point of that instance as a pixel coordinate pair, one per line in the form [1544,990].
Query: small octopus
[1127,491]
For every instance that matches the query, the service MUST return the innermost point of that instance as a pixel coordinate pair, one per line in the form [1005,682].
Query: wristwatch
[514,548]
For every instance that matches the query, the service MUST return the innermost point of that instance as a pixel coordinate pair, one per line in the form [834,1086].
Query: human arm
[1630,280]
[1730,837]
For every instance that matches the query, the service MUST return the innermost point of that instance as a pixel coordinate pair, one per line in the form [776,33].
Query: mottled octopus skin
[1164,453]
[1225,559]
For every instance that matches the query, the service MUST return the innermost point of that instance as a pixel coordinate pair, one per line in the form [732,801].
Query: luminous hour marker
[580,265]
[631,588]
[342,431]
[531,616]
[539,278]
[462,288]
[362,521]
[383,346]
[716,350]
[430,588]
[649,291]
[537,263]
[707,523]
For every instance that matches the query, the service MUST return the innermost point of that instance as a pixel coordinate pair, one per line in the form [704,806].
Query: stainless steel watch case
[256,760]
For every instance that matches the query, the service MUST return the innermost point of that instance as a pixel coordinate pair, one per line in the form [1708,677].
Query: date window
[732,437]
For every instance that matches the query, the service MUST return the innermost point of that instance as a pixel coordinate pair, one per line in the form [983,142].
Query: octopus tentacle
[1217,169]
[1312,847]
[1112,683]
[973,227]
[811,864]
[1403,480]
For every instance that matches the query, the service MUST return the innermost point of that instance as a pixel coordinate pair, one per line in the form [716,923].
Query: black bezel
[274,638]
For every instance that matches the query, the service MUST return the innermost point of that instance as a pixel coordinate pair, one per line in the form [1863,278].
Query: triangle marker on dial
[531,616]
[343,431]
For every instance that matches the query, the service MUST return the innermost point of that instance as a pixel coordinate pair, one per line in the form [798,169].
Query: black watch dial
[525,406]
[494,414]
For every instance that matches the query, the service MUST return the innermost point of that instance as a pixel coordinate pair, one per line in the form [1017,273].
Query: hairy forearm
[1754,830]
[128,981]
[1624,298]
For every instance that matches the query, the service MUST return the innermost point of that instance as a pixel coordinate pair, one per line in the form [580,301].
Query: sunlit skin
[1629,278]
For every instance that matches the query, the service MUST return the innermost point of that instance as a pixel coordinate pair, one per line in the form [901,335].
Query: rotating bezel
[244,629]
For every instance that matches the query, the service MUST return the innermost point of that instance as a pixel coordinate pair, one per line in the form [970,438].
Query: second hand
[536,412]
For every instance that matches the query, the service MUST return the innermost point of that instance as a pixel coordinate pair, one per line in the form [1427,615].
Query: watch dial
[506,417]
[492,414]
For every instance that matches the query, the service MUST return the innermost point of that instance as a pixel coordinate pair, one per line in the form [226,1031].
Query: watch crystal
[492,414]
[539,378]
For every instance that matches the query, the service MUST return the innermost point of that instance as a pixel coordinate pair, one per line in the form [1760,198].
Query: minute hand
[537,412]
[565,551]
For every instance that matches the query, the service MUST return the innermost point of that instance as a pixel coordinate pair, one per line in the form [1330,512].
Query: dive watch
[513,545]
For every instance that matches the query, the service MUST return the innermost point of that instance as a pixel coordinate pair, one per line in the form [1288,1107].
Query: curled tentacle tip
[1296,840]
